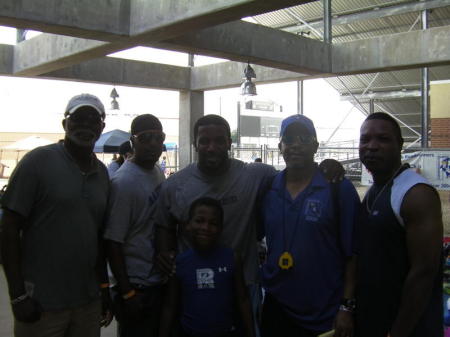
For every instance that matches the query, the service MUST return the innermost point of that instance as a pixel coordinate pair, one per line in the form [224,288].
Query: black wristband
[349,303]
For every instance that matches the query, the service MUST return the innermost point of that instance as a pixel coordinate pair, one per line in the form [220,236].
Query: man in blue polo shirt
[309,226]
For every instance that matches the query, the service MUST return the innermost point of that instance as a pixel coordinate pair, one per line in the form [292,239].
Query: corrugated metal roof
[406,110]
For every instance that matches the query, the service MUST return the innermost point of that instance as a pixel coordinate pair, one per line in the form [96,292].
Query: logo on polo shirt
[313,210]
[222,269]
[205,278]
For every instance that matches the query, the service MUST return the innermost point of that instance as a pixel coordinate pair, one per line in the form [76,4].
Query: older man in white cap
[54,210]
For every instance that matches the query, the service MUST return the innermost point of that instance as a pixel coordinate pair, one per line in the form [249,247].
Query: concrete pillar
[191,109]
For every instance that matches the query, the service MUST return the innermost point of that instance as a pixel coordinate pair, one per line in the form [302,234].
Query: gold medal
[286,261]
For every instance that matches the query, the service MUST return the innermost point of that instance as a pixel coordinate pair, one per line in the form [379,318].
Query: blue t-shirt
[306,227]
[207,299]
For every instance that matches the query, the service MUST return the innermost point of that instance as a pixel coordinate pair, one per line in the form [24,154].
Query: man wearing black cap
[309,226]
[54,207]
[129,231]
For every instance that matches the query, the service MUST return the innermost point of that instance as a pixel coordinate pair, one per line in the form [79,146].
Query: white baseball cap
[83,100]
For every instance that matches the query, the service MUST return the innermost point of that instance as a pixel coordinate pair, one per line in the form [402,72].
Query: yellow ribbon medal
[286,261]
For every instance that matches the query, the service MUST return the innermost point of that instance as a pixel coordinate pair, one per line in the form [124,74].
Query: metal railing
[345,152]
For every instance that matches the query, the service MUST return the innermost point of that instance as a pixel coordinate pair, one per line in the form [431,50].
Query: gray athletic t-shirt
[129,220]
[237,189]
[65,210]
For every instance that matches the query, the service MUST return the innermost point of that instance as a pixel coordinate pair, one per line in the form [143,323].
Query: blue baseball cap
[299,119]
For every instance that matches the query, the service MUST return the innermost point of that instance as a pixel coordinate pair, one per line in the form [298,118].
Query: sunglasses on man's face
[146,137]
[91,118]
[300,139]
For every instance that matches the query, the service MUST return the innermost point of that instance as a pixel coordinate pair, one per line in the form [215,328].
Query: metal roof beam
[375,13]
[382,95]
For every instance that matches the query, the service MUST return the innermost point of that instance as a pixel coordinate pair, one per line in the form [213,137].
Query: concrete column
[191,109]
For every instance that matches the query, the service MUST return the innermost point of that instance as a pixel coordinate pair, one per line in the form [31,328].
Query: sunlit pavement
[6,322]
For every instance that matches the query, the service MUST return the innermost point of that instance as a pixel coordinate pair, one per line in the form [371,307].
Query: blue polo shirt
[311,291]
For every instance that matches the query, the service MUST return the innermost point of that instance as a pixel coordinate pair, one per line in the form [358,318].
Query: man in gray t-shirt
[233,182]
[129,231]
[54,210]
[236,188]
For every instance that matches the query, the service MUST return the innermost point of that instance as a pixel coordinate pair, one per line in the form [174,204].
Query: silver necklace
[370,209]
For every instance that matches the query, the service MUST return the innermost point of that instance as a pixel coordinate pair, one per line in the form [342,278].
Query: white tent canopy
[27,144]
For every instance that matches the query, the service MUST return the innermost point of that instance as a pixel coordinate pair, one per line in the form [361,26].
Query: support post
[20,35]
[190,60]
[238,130]
[300,97]
[425,90]
[327,34]
[371,107]
[191,109]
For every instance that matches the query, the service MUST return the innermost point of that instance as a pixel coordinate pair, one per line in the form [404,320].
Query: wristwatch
[348,304]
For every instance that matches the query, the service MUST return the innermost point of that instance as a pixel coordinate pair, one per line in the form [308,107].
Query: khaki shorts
[83,321]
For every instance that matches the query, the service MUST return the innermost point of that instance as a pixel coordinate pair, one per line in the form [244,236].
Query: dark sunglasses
[82,118]
[301,139]
[146,137]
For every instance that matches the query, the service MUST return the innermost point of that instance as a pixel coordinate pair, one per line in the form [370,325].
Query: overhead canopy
[375,47]
[27,144]
[110,141]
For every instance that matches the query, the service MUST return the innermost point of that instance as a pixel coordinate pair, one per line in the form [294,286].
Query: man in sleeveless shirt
[399,263]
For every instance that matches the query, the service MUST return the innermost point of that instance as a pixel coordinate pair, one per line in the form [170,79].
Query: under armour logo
[222,269]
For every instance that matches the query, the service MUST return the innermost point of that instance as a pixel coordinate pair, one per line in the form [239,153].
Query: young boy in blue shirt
[208,285]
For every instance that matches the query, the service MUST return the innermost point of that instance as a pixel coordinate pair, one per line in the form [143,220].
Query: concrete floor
[6,320]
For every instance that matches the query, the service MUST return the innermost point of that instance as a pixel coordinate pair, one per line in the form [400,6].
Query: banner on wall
[433,165]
